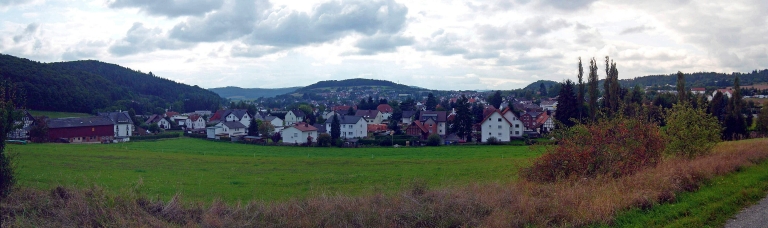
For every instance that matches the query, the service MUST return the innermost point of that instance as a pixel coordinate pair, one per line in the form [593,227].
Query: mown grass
[58,114]
[202,170]
[711,206]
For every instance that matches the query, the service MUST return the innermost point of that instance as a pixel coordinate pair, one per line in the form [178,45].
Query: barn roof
[90,121]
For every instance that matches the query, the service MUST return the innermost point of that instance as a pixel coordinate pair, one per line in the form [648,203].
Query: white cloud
[499,44]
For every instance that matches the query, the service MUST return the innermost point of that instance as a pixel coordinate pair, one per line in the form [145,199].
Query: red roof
[304,127]
[420,125]
[218,115]
[488,110]
[543,117]
[485,118]
[384,108]
[698,89]
[170,114]
[194,117]
[377,127]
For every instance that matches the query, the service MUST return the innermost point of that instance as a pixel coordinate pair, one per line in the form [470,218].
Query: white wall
[495,126]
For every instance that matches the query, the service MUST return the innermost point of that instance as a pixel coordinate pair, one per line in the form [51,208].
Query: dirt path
[754,216]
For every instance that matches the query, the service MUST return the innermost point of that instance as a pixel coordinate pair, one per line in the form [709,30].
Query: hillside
[537,84]
[88,86]
[237,93]
[356,82]
[699,79]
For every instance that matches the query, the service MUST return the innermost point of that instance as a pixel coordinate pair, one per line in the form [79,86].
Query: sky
[434,44]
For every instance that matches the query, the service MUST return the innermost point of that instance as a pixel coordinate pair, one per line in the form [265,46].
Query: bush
[691,131]
[492,141]
[324,139]
[613,147]
[433,140]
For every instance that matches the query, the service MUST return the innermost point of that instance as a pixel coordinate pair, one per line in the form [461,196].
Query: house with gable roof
[435,121]
[159,120]
[299,133]
[26,122]
[371,116]
[195,122]
[350,126]
[416,128]
[386,111]
[123,125]
[294,116]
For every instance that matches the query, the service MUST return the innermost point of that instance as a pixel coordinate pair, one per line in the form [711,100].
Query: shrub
[157,136]
[324,139]
[613,147]
[691,132]
[492,141]
[433,140]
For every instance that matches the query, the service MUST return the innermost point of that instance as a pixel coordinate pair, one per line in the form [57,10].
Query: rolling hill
[88,86]
[237,93]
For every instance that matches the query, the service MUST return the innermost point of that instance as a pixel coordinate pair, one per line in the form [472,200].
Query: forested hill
[700,79]
[237,93]
[356,82]
[89,86]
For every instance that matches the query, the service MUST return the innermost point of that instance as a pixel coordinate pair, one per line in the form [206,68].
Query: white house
[408,117]
[180,120]
[123,125]
[725,92]
[299,133]
[549,105]
[276,122]
[232,128]
[495,125]
[195,122]
[238,115]
[516,125]
[372,116]
[350,126]
[26,122]
[294,116]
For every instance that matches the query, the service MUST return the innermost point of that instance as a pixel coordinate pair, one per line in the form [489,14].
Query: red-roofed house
[725,92]
[385,110]
[195,122]
[299,133]
[171,114]
[377,128]
[698,90]
[417,129]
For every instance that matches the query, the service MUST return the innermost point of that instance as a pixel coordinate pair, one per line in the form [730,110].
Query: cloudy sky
[436,44]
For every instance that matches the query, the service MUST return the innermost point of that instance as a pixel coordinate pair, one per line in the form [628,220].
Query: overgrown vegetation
[691,131]
[8,117]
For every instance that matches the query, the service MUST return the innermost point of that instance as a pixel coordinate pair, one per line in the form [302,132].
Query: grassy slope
[711,206]
[58,114]
[203,170]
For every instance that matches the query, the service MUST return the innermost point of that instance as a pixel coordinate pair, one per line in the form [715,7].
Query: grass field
[58,114]
[203,170]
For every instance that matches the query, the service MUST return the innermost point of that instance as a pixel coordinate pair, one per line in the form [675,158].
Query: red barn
[81,130]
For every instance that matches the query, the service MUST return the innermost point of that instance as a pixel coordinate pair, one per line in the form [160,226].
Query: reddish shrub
[614,148]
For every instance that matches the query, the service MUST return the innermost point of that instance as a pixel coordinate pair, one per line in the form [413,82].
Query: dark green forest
[237,93]
[699,79]
[354,83]
[89,86]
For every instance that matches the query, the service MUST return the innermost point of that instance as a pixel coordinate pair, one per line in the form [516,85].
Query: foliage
[88,86]
[433,140]
[356,82]
[609,147]
[266,129]
[324,140]
[592,92]
[9,94]
[580,97]
[431,102]
[762,120]
[691,132]
[495,100]
[700,79]
[492,141]
[612,91]
[735,124]
[335,129]
[154,128]
[251,93]
[39,131]
[253,128]
[681,92]
[462,123]
[276,137]
[567,105]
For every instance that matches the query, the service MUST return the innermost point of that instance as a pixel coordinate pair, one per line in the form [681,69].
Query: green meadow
[205,170]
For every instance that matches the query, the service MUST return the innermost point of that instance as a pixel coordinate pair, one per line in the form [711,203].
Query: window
[489,119]
[499,119]
[499,126]
[499,133]
[489,133]
[517,132]
[517,125]
[350,133]
[295,134]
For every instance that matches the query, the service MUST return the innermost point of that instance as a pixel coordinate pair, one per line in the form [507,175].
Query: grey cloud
[329,21]
[588,36]
[382,43]
[445,43]
[638,29]
[13,2]
[29,31]
[141,39]
[252,51]
[567,5]
[170,8]
[235,20]
[84,50]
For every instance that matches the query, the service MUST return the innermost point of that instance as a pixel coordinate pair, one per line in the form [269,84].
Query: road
[754,216]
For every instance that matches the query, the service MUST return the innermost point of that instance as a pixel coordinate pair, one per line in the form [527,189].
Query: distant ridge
[237,93]
[356,82]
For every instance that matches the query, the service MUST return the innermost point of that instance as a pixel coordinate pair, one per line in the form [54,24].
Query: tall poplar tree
[566,104]
[335,129]
[580,97]
[593,89]
[681,94]
[431,102]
